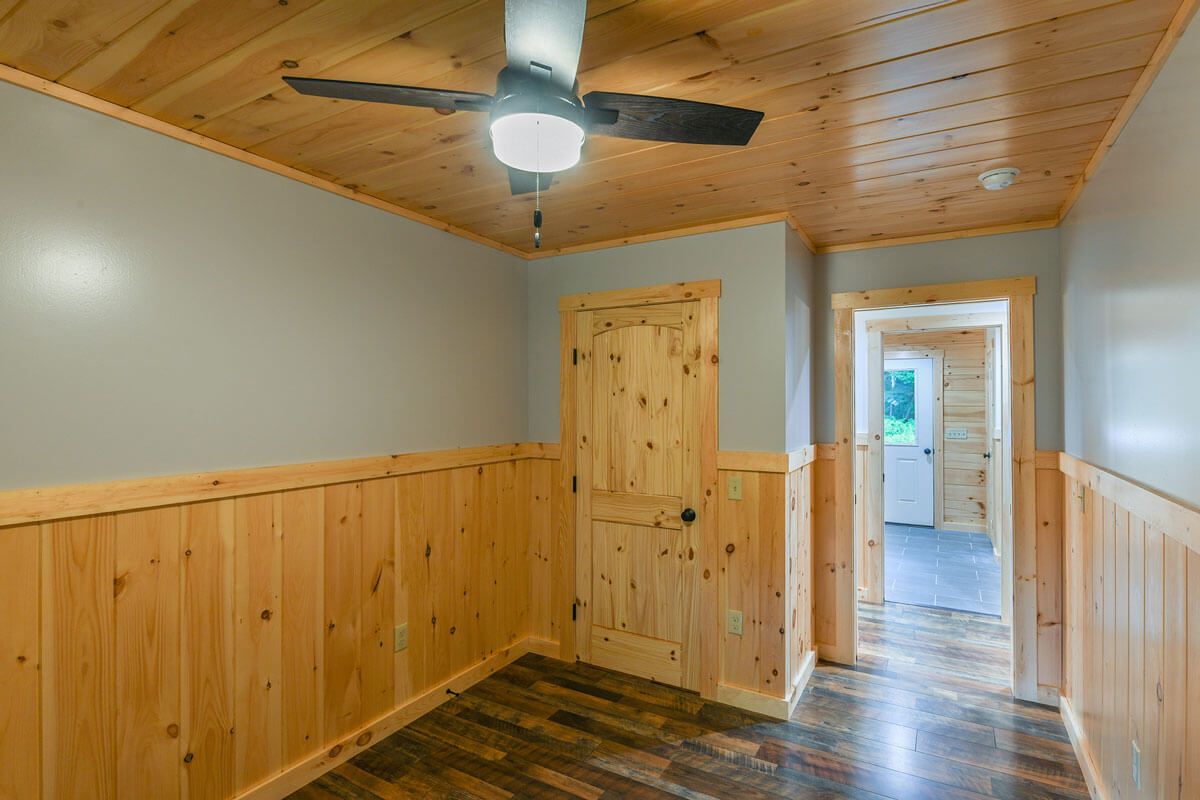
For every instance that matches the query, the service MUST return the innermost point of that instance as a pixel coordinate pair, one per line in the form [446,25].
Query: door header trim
[644,296]
[997,289]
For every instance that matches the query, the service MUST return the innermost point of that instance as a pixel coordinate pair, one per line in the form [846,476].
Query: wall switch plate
[400,639]
[1136,765]
[733,622]
[957,433]
[734,485]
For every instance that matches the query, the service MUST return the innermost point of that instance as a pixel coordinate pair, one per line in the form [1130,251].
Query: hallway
[926,714]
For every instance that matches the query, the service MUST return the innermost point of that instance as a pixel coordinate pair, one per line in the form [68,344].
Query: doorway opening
[943,431]
[858,522]
[931,435]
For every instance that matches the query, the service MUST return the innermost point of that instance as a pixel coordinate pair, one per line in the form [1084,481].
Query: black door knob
[928,451]
[688,515]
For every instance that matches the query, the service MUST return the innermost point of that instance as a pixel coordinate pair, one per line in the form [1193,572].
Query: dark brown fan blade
[663,119]
[522,182]
[546,34]
[387,93]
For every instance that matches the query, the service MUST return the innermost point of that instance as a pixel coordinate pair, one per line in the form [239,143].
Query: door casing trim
[1019,292]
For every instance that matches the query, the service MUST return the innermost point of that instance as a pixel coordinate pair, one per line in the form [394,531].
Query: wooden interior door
[641,518]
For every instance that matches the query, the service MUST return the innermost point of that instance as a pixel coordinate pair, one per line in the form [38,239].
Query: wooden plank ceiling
[879,113]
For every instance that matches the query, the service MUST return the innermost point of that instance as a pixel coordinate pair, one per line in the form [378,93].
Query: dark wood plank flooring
[925,714]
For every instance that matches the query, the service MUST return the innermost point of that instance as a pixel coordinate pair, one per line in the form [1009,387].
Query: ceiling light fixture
[1001,178]
[536,142]
[534,128]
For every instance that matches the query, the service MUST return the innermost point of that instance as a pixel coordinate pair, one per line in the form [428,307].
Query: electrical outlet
[733,622]
[400,639]
[1136,765]
[735,487]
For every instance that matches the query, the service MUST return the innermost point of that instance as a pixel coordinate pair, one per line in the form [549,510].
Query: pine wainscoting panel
[232,635]
[766,573]
[1132,635]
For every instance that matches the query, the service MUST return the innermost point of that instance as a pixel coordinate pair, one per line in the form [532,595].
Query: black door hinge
[575,355]
[574,611]
[574,484]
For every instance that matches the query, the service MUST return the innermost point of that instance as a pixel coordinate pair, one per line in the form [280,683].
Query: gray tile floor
[943,569]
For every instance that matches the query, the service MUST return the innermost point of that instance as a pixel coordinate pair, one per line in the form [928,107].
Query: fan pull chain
[537,193]
[537,210]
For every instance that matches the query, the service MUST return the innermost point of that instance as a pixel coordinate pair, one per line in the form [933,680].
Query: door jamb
[708,293]
[1019,292]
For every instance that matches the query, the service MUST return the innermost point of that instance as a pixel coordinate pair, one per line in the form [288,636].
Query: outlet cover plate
[733,622]
[400,639]
[957,434]
[734,485]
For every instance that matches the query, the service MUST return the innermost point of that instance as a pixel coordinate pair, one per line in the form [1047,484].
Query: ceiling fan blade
[663,119]
[547,34]
[387,93]
[522,182]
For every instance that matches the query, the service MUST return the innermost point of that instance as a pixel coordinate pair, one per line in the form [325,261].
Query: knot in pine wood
[729,548]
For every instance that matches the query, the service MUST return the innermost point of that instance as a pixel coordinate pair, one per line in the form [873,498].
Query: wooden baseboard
[769,705]
[844,654]
[542,647]
[806,671]
[750,700]
[1048,695]
[304,772]
[1082,752]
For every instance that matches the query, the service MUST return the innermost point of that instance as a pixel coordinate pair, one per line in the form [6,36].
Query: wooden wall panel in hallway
[1132,638]
[199,649]
[766,573]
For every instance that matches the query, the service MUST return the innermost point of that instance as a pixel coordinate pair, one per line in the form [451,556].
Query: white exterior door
[908,441]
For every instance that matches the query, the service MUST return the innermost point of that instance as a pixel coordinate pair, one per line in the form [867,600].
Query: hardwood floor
[926,714]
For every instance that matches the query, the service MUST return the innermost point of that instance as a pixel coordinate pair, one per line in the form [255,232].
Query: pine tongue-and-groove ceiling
[879,113]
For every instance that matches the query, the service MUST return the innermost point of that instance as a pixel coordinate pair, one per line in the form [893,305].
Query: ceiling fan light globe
[537,142]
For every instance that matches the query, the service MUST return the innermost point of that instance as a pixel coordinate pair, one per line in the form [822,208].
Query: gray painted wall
[798,370]
[1131,284]
[165,310]
[749,262]
[1008,255]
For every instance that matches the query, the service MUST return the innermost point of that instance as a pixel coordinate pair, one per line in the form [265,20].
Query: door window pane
[899,406]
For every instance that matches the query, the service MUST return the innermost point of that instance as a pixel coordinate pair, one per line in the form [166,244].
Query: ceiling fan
[538,121]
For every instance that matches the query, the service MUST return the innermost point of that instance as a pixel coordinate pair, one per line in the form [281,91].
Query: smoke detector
[1001,178]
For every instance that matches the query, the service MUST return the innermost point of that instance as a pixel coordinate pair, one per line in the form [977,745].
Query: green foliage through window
[899,406]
